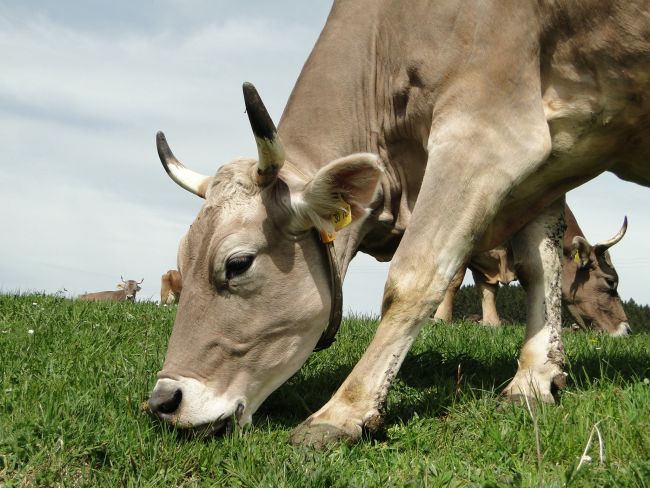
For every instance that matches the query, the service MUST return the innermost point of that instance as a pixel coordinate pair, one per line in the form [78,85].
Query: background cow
[126,291]
[589,282]
[170,287]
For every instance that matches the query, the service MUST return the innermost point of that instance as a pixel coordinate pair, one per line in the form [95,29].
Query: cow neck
[332,111]
[342,104]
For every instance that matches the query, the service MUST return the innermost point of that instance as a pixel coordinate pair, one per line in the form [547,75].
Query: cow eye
[611,283]
[238,265]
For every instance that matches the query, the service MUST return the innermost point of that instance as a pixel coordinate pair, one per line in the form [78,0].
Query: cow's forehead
[232,184]
[234,204]
[235,198]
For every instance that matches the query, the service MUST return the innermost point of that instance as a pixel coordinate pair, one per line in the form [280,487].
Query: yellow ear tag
[576,258]
[340,218]
[343,216]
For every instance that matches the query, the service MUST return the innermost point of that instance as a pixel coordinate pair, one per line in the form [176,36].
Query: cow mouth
[622,330]
[221,426]
[217,428]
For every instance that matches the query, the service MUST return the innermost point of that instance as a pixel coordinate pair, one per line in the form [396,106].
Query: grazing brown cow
[424,133]
[126,291]
[589,282]
[170,287]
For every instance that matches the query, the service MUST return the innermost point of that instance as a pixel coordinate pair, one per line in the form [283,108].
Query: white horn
[185,178]
[269,147]
[603,246]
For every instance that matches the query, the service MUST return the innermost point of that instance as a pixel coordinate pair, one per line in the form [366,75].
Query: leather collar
[336,291]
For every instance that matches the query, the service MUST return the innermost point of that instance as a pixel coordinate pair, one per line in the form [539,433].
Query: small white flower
[585,459]
[34,303]
[30,331]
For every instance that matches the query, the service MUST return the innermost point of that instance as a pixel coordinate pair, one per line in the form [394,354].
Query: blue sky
[85,85]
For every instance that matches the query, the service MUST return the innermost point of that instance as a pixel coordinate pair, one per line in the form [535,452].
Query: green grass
[71,393]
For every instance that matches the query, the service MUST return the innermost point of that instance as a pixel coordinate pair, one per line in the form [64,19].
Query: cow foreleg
[537,250]
[421,270]
[473,164]
[359,401]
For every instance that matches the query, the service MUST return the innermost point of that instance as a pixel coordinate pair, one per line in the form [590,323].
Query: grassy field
[74,375]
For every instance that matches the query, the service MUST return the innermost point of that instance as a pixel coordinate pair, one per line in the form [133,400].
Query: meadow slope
[74,376]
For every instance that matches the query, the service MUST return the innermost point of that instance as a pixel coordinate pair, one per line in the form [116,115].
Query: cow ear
[345,186]
[581,251]
[120,286]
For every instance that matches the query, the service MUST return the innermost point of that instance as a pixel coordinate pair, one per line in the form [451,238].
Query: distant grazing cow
[589,282]
[127,291]
[170,287]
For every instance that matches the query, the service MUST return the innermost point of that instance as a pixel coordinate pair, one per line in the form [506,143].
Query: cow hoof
[322,436]
[527,401]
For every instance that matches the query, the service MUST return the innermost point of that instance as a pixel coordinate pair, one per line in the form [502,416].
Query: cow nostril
[170,404]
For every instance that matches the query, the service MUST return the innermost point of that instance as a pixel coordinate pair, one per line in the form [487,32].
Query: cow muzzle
[189,404]
[622,330]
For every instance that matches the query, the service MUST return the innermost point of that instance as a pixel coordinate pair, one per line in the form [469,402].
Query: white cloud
[83,240]
[53,71]
[81,100]
[78,114]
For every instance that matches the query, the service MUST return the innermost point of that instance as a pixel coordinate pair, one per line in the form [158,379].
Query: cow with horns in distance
[421,135]
[589,282]
[126,291]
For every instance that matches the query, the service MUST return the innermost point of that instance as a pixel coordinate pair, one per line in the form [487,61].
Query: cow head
[256,285]
[130,287]
[590,285]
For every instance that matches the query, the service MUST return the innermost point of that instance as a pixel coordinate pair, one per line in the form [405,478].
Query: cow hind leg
[488,294]
[444,312]
[537,251]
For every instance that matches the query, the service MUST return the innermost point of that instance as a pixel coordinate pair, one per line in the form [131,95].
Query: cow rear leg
[444,312]
[488,294]
[537,251]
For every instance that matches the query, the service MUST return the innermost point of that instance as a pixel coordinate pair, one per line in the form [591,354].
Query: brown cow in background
[170,287]
[126,291]
[589,282]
